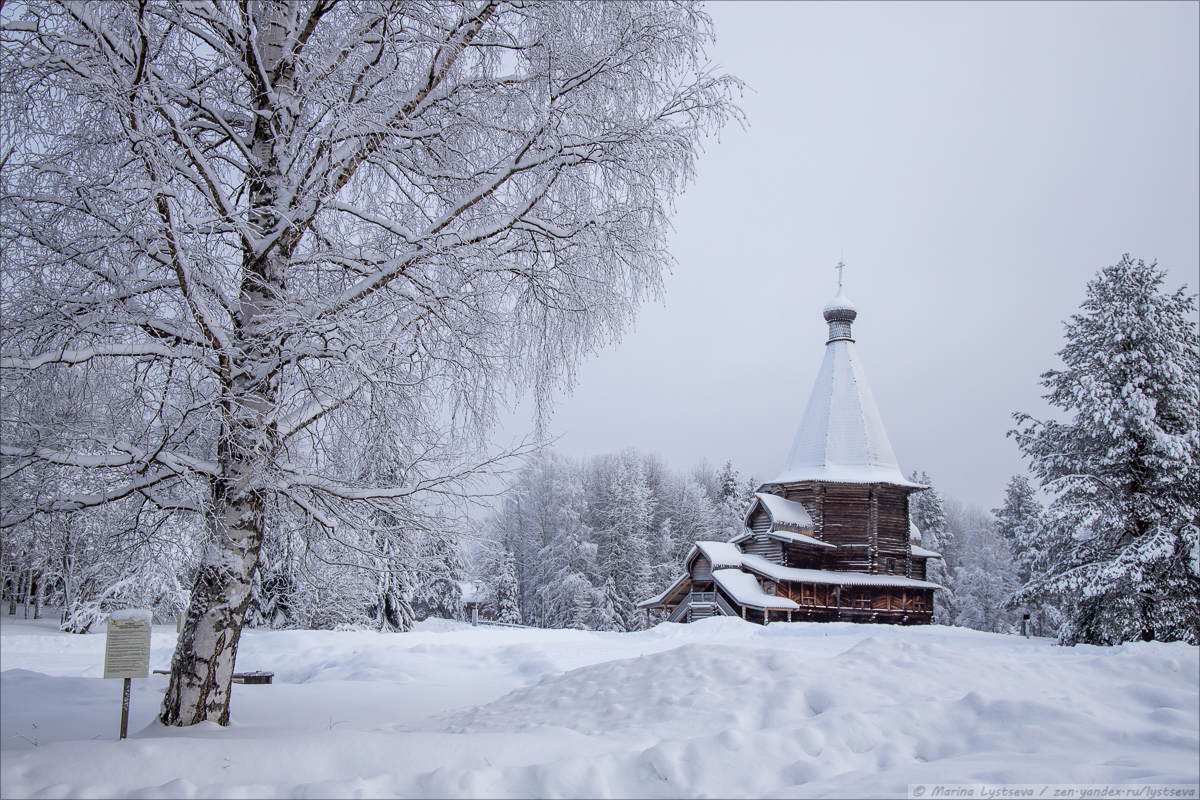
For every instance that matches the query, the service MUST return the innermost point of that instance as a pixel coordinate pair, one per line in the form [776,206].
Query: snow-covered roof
[800,538]
[787,513]
[841,437]
[746,590]
[661,597]
[787,536]
[914,533]
[721,554]
[774,571]
[727,558]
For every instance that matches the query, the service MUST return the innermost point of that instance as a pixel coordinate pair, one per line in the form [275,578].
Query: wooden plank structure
[830,538]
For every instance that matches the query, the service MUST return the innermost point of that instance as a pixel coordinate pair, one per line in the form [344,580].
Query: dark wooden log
[768,548]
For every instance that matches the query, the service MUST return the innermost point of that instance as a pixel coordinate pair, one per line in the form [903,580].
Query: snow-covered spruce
[295,257]
[926,512]
[1120,547]
[1019,522]
[984,575]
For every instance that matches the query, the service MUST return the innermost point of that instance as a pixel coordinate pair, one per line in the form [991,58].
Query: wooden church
[830,538]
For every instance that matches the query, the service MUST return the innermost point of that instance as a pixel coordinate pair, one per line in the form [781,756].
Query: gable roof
[841,437]
[787,536]
[667,594]
[784,513]
[720,554]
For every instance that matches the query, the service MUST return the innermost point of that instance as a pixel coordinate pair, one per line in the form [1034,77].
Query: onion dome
[839,313]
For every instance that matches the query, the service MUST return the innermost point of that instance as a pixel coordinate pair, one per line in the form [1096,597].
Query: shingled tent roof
[841,437]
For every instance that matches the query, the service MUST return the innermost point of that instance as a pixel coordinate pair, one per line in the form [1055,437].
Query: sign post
[127,652]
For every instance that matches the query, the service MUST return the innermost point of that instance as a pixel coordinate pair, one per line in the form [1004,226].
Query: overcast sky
[974,164]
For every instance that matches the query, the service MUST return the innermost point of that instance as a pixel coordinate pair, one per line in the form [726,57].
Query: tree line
[577,543]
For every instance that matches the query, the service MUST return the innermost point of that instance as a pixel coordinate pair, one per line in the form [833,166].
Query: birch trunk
[203,665]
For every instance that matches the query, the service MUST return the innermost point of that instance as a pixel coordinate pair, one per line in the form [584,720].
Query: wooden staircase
[704,604]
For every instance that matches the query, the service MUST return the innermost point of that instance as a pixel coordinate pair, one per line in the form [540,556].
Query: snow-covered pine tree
[508,592]
[604,614]
[436,591]
[693,519]
[388,607]
[1019,520]
[1120,544]
[629,510]
[926,512]
[271,587]
[575,554]
[731,506]
[984,575]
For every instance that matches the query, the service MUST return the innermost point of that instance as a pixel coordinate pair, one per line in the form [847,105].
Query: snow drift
[717,708]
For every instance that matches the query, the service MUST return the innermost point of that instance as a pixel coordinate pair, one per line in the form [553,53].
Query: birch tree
[268,224]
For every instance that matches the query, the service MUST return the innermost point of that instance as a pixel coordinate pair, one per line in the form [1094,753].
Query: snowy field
[720,708]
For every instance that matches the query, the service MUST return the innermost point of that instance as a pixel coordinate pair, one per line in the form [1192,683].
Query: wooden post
[125,709]
[743,612]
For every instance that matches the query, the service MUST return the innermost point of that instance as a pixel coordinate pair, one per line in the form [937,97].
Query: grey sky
[976,163]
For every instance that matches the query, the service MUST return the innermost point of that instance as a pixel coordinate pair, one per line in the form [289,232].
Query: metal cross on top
[840,266]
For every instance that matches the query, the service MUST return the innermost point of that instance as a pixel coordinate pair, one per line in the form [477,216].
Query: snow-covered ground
[718,708]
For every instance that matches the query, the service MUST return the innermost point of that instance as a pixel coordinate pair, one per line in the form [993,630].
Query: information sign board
[127,647]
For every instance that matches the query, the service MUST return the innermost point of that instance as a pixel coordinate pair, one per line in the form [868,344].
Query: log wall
[765,546]
[918,569]
[868,523]
[804,558]
[889,604]
[892,526]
